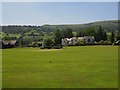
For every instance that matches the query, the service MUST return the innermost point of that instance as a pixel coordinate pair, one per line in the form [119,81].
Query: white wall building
[87,39]
[75,40]
[69,41]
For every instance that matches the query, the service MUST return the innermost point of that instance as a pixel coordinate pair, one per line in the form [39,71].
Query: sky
[40,13]
[60,0]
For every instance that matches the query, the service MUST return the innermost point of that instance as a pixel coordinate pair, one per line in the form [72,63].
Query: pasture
[70,67]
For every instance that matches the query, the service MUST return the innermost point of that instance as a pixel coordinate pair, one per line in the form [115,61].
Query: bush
[117,43]
[42,47]
[45,47]
[80,43]
[107,43]
[57,47]
[104,43]
[39,44]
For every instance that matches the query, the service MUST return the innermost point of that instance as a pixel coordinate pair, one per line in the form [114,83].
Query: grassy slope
[71,67]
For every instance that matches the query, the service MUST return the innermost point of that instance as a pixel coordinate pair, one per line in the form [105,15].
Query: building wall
[74,40]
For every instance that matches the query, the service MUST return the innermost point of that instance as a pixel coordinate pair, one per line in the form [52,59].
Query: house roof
[74,37]
[85,37]
[81,37]
[6,42]
[69,39]
[11,42]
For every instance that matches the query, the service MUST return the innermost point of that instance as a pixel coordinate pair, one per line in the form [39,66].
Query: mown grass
[71,67]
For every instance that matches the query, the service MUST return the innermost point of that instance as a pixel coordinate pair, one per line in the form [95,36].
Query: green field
[71,67]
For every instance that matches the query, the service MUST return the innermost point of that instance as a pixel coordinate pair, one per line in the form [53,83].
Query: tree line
[99,33]
[111,25]
[54,38]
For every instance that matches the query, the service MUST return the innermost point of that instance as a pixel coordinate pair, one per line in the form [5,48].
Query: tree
[57,36]
[80,34]
[118,36]
[104,36]
[4,38]
[112,38]
[48,42]
[90,31]
[100,34]
[63,34]
[69,33]
[7,37]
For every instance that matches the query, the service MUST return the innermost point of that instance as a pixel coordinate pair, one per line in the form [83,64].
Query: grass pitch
[71,67]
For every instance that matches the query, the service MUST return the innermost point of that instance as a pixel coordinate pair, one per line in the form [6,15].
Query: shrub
[39,44]
[42,47]
[104,43]
[80,43]
[117,42]
[57,47]
[107,43]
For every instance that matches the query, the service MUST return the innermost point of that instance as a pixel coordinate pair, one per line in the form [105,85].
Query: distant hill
[109,25]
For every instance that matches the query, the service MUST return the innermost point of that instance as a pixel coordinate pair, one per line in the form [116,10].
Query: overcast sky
[39,13]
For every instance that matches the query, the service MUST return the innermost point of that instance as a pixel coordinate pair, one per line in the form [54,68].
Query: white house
[87,39]
[64,42]
[69,41]
[75,40]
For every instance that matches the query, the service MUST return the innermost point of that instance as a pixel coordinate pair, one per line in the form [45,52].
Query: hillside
[110,25]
